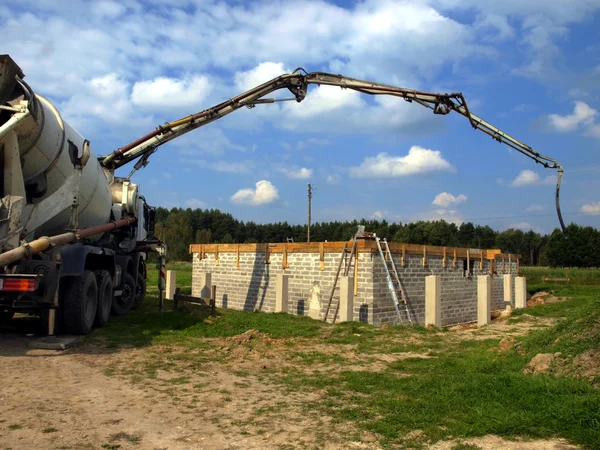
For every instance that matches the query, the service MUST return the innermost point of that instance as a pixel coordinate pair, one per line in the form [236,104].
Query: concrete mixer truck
[74,237]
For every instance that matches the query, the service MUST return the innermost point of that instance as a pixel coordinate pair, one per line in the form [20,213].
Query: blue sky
[116,70]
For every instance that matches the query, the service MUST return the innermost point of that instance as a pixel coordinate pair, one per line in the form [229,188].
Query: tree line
[181,227]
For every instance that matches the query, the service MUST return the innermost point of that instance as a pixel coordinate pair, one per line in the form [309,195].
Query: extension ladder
[393,279]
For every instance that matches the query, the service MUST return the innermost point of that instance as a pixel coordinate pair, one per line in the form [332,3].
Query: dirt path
[65,400]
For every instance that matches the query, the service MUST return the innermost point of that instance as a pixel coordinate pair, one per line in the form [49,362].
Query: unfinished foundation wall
[244,281]
[246,278]
[458,287]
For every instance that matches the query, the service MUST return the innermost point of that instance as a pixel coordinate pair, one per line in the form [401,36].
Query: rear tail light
[15,284]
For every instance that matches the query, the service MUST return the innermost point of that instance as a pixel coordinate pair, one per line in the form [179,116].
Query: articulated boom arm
[297,83]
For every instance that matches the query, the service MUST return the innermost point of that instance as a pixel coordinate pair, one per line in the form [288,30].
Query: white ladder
[393,280]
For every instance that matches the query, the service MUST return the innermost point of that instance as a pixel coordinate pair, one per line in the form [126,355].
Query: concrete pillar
[205,283]
[508,288]
[171,284]
[484,299]
[520,292]
[346,299]
[433,300]
[314,302]
[281,293]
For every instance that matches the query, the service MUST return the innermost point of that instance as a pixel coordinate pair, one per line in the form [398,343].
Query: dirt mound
[544,298]
[587,365]
[248,336]
[541,363]
[506,344]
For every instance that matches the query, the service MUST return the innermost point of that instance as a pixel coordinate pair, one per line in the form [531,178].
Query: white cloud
[592,209]
[334,178]
[264,193]
[167,175]
[260,74]
[164,92]
[297,174]
[321,100]
[194,203]
[583,115]
[379,215]
[446,199]
[535,208]
[529,178]
[418,160]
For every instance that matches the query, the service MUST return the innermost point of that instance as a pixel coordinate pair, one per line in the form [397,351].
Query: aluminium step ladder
[393,279]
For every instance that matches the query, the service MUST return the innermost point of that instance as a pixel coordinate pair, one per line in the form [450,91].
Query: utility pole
[309,200]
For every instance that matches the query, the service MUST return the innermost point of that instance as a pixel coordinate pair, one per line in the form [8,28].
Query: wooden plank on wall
[216,255]
[322,255]
[454,260]
[237,259]
[444,258]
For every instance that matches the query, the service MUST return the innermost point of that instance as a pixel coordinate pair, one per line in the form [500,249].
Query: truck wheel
[140,291]
[80,303]
[105,297]
[122,303]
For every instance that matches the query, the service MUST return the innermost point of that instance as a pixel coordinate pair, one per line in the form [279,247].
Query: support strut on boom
[297,83]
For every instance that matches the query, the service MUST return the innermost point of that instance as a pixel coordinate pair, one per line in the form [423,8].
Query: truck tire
[105,297]
[80,303]
[140,291]
[122,303]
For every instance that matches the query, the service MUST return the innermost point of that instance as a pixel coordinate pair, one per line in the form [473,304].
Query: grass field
[394,381]
[579,277]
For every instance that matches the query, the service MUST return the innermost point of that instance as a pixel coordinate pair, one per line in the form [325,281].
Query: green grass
[183,274]
[579,277]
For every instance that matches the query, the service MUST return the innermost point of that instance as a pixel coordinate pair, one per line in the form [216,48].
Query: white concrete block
[281,293]
[171,284]
[433,300]
[520,292]
[484,299]
[314,302]
[205,284]
[508,288]
[346,299]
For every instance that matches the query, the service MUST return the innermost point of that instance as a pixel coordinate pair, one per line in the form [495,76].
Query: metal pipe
[41,244]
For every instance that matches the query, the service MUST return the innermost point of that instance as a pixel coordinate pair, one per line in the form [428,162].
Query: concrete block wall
[458,292]
[252,285]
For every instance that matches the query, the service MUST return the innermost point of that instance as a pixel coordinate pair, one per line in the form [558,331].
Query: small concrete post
[520,292]
[281,293]
[346,299]
[433,301]
[314,302]
[484,299]
[171,284]
[508,288]
[205,284]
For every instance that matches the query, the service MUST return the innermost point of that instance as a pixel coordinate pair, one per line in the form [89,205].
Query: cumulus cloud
[583,115]
[171,92]
[529,178]
[301,173]
[263,194]
[446,199]
[418,160]
[260,74]
[239,167]
[334,178]
[592,209]
[194,203]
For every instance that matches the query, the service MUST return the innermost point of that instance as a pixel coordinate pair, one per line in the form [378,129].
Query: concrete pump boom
[297,83]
